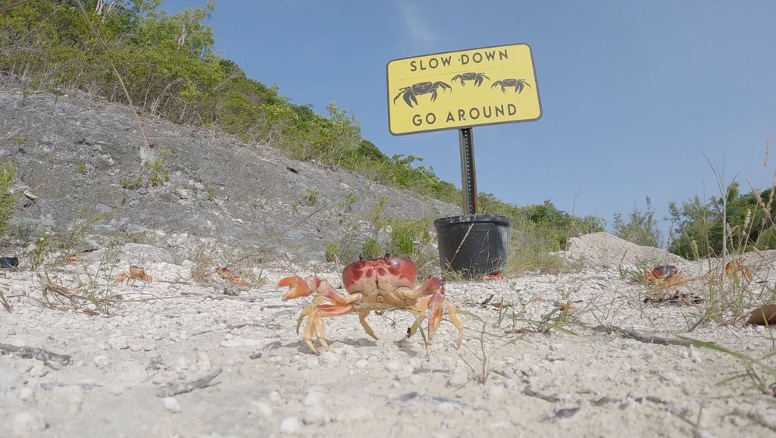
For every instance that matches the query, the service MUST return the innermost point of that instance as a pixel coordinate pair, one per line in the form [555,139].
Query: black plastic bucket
[9,262]
[473,245]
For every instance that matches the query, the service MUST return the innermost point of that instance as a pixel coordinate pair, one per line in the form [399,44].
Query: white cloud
[417,29]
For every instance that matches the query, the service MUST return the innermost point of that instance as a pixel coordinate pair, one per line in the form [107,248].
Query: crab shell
[367,275]
[668,274]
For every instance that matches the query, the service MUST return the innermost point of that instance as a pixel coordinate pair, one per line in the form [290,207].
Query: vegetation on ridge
[164,64]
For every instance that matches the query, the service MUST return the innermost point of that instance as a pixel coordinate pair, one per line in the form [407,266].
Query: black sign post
[468,174]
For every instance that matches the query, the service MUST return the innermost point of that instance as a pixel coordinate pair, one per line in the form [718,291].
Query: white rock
[458,379]
[203,361]
[290,426]
[313,398]
[316,415]
[274,397]
[183,364]
[329,358]
[26,393]
[242,342]
[172,405]
[119,342]
[260,408]
[351,415]
[102,361]
[28,424]
[39,369]
[141,345]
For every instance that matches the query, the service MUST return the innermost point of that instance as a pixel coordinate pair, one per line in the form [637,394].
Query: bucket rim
[474,218]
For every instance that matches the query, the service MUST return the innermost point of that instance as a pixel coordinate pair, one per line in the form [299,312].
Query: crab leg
[362,317]
[315,326]
[433,293]
[317,310]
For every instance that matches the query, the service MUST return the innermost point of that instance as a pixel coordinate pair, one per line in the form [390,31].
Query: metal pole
[468,175]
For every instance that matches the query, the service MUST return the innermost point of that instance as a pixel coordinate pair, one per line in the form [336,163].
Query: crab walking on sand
[387,283]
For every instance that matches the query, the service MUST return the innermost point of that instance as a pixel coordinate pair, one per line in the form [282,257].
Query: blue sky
[633,92]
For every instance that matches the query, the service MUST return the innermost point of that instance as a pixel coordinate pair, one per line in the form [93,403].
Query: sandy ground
[174,359]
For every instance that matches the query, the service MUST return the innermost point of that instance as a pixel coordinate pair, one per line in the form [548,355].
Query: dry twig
[35,353]
[181,388]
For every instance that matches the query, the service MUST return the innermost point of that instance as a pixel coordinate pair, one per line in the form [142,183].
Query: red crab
[387,283]
[664,274]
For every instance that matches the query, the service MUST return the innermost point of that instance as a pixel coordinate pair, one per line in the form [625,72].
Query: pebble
[172,405]
[316,415]
[261,409]
[352,415]
[141,345]
[26,393]
[102,361]
[242,342]
[119,342]
[290,426]
[274,397]
[28,424]
[39,369]
[458,379]
[329,358]
[313,398]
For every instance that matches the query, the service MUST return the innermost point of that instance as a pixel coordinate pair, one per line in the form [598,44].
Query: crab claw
[433,300]
[435,311]
[435,290]
[297,287]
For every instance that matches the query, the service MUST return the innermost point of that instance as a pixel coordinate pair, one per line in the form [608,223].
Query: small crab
[476,77]
[409,93]
[734,268]
[386,283]
[663,275]
[226,274]
[135,273]
[519,84]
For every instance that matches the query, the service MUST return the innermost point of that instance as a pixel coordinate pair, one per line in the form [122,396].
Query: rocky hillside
[83,172]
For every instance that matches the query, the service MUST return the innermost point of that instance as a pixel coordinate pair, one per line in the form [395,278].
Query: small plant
[131,183]
[83,223]
[81,168]
[332,252]
[158,173]
[19,139]
[348,202]
[40,249]
[757,370]
[7,199]
[211,194]
[371,249]
[309,197]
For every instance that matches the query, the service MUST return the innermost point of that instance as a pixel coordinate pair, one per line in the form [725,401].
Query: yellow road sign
[455,90]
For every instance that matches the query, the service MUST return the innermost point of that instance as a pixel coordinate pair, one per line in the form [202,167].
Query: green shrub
[7,199]
[332,252]
[767,239]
